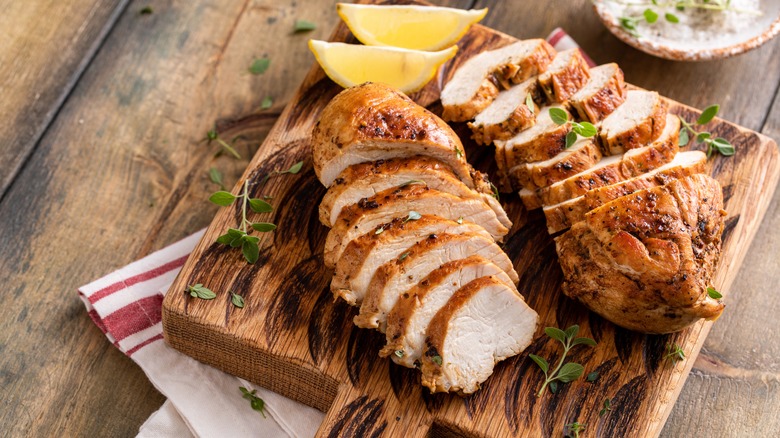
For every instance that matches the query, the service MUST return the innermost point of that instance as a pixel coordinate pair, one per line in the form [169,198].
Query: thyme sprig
[607,407]
[256,402]
[717,144]
[674,353]
[585,129]
[563,372]
[573,430]
[213,135]
[239,237]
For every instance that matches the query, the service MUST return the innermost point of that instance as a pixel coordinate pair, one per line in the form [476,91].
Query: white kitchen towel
[202,401]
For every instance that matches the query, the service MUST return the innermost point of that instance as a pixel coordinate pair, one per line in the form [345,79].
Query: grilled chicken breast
[476,83]
[483,323]
[582,155]
[644,261]
[366,254]
[367,179]
[563,215]
[604,92]
[371,122]
[638,121]
[370,213]
[565,75]
[396,277]
[508,114]
[541,142]
[409,318]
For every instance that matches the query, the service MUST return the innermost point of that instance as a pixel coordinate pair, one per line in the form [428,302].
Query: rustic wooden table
[101,162]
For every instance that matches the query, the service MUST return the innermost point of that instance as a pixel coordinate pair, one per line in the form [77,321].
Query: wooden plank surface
[131,179]
[280,341]
[44,47]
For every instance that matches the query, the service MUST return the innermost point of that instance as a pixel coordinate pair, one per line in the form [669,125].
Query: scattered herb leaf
[413,181]
[256,402]
[563,372]
[237,300]
[573,430]
[259,66]
[266,103]
[494,189]
[413,216]
[674,352]
[458,152]
[304,26]
[146,10]
[380,230]
[460,220]
[200,291]
[650,15]
[592,376]
[216,177]
[529,102]
[403,256]
[436,359]
[713,293]
[399,353]
[607,407]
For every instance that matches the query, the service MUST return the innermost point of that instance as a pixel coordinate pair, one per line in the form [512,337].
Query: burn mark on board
[360,418]
[524,383]
[626,406]
[329,323]
[654,352]
[403,380]
[728,228]
[287,306]
[362,351]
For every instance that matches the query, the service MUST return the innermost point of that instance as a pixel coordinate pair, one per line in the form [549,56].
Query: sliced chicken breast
[638,121]
[364,255]
[405,202]
[397,276]
[508,114]
[372,122]
[618,168]
[482,324]
[476,83]
[563,215]
[541,142]
[644,261]
[367,179]
[604,92]
[582,155]
[565,75]
[409,318]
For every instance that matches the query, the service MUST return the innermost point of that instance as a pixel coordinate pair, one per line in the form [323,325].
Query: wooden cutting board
[292,337]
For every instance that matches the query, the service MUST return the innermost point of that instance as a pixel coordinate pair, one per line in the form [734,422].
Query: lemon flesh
[351,64]
[409,27]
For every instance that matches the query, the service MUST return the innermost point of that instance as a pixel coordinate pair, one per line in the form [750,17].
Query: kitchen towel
[202,401]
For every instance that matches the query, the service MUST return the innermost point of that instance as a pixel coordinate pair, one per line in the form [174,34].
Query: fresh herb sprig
[213,135]
[573,430]
[256,402]
[717,144]
[563,372]
[239,237]
[294,169]
[585,129]
[303,26]
[674,353]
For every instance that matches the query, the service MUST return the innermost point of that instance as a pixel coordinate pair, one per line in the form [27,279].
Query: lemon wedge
[353,64]
[410,27]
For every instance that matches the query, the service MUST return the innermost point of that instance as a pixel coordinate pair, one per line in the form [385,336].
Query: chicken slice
[563,215]
[508,114]
[397,276]
[409,318]
[582,155]
[644,261]
[476,83]
[565,75]
[405,202]
[635,123]
[364,255]
[617,168]
[367,179]
[605,91]
[541,142]
[372,122]
[483,323]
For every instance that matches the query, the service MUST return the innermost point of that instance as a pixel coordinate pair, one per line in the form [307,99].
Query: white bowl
[713,42]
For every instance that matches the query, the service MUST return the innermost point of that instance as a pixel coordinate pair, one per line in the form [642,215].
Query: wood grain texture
[46,45]
[132,178]
[271,340]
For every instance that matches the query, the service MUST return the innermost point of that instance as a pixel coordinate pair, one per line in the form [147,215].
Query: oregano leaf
[556,334]
[250,250]
[541,362]
[708,114]
[222,198]
[559,116]
[570,371]
[263,227]
[259,206]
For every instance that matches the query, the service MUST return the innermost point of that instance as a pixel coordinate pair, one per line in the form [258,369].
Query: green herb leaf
[413,181]
[592,376]
[403,256]
[266,103]
[259,66]
[146,10]
[674,352]
[460,220]
[222,198]
[380,230]
[399,353]
[585,129]
[583,341]
[458,152]
[683,137]
[553,387]
[708,114]
[714,293]
[436,359]
[494,189]
[556,334]
[572,331]
[607,407]
[650,16]
[250,250]
[259,206]
[295,168]
[529,102]
[671,18]
[723,146]
[263,227]
[570,371]
[413,216]
[559,116]
[542,362]
[703,136]
[571,138]
[256,402]
[237,300]
[216,177]
[198,290]
[573,430]
[304,26]
[225,239]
